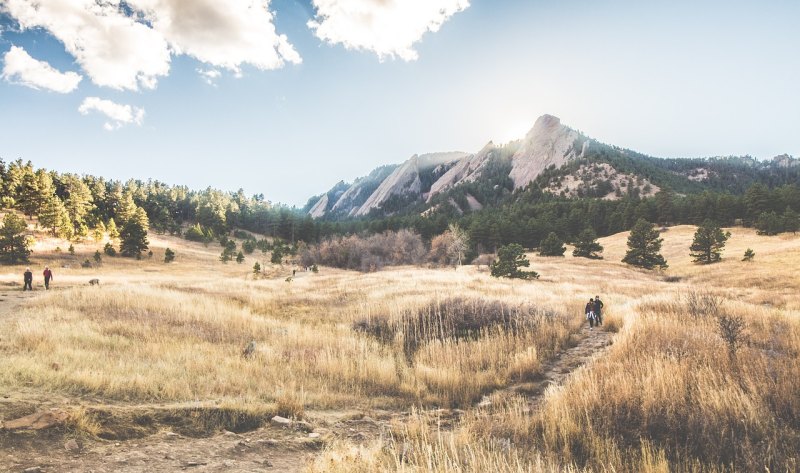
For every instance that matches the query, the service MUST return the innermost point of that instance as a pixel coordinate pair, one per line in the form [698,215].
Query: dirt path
[593,343]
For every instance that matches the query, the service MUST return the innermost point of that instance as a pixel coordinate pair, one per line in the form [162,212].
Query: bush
[169,256]
[367,253]
[109,249]
[451,319]
[86,264]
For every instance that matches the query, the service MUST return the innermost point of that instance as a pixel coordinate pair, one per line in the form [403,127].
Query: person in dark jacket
[27,278]
[48,276]
[590,313]
[598,310]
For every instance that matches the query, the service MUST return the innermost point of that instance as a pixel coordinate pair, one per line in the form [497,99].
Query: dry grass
[666,397]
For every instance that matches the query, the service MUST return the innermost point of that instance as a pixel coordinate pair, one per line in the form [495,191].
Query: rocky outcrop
[467,169]
[405,180]
[548,143]
[319,209]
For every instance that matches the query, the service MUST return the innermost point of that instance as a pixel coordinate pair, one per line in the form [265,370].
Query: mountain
[552,157]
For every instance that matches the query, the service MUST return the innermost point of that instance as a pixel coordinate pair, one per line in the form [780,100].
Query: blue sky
[670,79]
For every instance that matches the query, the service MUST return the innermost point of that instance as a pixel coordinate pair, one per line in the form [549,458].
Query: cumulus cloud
[118,114]
[19,67]
[112,47]
[209,76]
[222,34]
[388,27]
[128,45]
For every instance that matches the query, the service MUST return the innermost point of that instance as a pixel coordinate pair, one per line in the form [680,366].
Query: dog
[94,282]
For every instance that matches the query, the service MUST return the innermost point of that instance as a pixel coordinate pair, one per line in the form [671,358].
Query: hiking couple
[27,278]
[594,312]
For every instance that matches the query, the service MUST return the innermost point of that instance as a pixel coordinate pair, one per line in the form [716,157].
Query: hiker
[48,275]
[590,313]
[28,279]
[598,310]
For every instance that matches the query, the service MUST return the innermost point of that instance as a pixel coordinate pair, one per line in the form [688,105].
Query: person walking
[48,276]
[598,310]
[27,278]
[590,313]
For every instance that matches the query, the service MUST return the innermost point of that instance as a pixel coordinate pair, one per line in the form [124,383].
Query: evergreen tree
[110,250]
[133,236]
[169,256]
[644,246]
[256,268]
[98,258]
[112,230]
[769,223]
[15,246]
[78,200]
[749,254]
[99,231]
[71,249]
[552,246]
[587,246]
[791,220]
[709,240]
[228,251]
[277,255]
[240,257]
[510,259]
[55,218]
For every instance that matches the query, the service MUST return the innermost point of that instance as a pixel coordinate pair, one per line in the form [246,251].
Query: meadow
[670,394]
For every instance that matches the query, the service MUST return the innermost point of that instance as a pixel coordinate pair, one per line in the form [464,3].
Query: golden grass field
[666,396]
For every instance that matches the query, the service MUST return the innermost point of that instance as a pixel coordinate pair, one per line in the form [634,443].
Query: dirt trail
[593,342]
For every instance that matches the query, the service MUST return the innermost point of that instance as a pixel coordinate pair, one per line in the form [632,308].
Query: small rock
[172,435]
[281,420]
[272,442]
[72,446]
[228,433]
[33,469]
[313,435]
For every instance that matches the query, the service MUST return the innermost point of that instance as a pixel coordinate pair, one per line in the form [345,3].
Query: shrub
[109,249]
[367,253]
[169,256]
[552,246]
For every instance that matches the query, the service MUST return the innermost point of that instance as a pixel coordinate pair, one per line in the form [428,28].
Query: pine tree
[240,257]
[98,258]
[749,254]
[769,223]
[256,268]
[791,220]
[110,250]
[644,246]
[15,246]
[552,246]
[112,230]
[709,240]
[169,256]
[510,259]
[53,216]
[133,236]
[587,245]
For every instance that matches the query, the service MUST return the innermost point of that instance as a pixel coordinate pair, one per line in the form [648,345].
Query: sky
[288,97]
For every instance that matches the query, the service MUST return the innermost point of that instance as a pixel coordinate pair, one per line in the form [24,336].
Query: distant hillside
[551,157]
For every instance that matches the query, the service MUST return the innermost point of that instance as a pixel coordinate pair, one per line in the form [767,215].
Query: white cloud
[223,34]
[118,114]
[209,76]
[112,48]
[21,68]
[128,46]
[388,27]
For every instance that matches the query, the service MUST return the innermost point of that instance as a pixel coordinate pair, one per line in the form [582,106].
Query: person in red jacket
[48,275]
